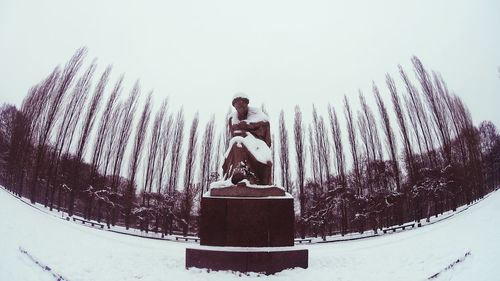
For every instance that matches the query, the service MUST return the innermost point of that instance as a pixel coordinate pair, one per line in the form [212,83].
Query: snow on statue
[248,156]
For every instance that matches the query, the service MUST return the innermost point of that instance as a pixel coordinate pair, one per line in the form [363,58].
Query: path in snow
[82,253]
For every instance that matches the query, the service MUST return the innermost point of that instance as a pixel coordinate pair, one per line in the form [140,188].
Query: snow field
[82,253]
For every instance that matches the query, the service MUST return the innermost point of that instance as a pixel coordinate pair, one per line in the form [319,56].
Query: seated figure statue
[248,156]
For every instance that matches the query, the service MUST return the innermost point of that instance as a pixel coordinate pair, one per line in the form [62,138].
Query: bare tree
[91,115]
[418,115]
[140,134]
[190,189]
[207,155]
[191,152]
[435,104]
[43,125]
[104,135]
[175,155]
[104,149]
[403,127]
[324,150]
[153,149]
[165,142]
[313,156]
[322,144]
[490,152]
[354,145]
[366,175]
[27,123]
[442,116]
[454,116]
[374,145]
[82,88]
[56,89]
[338,149]
[72,110]
[150,174]
[123,131]
[10,137]
[166,205]
[284,155]
[389,137]
[300,156]
[90,120]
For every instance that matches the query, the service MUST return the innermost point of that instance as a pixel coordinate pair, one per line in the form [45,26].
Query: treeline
[135,155]
[433,160]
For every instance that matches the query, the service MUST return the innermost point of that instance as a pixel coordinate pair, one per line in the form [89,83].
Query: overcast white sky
[281,53]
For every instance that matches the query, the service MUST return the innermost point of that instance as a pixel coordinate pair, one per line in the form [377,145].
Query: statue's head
[240,103]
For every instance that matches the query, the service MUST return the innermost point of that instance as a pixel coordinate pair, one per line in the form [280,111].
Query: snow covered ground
[76,252]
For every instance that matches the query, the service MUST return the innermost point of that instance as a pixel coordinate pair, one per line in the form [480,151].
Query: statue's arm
[261,130]
[238,129]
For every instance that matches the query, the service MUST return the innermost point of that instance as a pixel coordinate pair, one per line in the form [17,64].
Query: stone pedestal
[241,190]
[261,227]
[267,261]
[247,222]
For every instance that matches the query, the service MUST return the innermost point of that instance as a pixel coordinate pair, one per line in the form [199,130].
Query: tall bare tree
[104,149]
[390,141]
[165,143]
[66,129]
[338,149]
[416,112]
[103,133]
[140,135]
[442,117]
[190,189]
[322,144]
[123,130]
[351,132]
[207,154]
[284,154]
[56,89]
[10,137]
[44,125]
[374,145]
[176,152]
[21,146]
[435,104]
[300,157]
[90,120]
[403,128]
[82,88]
[154,149]
[191,152]
[313,156]
[366,160]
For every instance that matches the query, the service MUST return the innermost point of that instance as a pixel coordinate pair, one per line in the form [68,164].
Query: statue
[248,156]
[245,210]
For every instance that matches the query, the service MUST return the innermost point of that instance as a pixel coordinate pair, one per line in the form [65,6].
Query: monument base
[268,261]
[247,221]
[241,190]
